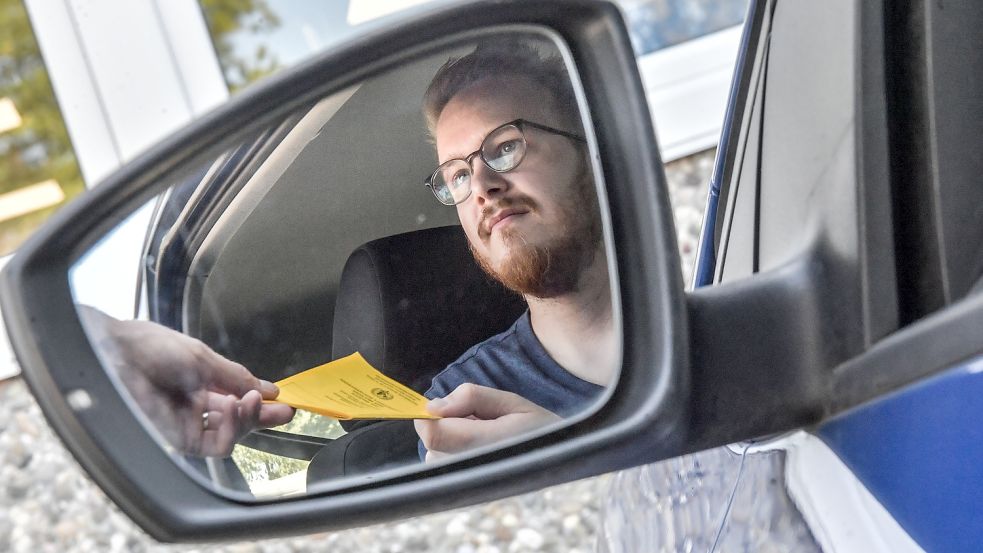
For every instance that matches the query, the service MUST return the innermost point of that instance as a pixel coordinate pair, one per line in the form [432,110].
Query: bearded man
[514,163]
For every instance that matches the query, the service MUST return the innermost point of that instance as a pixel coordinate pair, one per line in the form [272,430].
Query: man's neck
[577,329]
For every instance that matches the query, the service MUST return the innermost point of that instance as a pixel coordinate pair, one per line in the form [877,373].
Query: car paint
[918,452]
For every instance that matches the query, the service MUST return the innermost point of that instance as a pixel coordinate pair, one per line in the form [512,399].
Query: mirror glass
[443,219]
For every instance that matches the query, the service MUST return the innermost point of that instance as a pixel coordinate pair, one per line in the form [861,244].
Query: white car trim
[687,86]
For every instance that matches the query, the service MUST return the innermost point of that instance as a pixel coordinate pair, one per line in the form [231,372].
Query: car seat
[411,304]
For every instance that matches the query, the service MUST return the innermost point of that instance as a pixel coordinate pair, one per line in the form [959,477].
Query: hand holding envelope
[350,388]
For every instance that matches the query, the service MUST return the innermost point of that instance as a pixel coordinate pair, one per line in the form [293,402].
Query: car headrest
[412,303]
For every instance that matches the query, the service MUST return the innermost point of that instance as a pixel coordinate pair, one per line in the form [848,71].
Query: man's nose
[486,183]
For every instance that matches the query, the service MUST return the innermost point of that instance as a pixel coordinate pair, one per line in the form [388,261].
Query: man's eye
[507,148]
[459,179]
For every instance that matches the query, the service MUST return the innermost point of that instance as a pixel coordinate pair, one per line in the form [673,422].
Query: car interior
[318,239]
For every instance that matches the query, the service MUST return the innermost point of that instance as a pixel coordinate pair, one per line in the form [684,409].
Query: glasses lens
[504,148]
[452,182]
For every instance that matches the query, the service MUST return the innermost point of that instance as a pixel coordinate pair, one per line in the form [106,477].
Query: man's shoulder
[482,362]
[505,340]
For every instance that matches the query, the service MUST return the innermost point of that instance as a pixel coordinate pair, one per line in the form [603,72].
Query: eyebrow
[483,135]
[457,155]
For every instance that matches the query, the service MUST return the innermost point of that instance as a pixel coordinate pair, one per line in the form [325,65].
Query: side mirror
[268,223]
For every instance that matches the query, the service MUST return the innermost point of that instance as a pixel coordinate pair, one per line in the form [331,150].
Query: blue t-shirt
[515,361]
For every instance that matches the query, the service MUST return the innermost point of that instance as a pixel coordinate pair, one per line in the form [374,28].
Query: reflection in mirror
[441,219]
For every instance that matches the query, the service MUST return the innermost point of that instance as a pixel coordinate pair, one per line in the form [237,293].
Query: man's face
[536,227]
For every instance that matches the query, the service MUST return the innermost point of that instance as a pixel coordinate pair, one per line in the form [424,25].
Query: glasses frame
[518,124]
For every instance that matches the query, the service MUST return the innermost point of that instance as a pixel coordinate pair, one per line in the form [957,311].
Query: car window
[38,169]
[255,38]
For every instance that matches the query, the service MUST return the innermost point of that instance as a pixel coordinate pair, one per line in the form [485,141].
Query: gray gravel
[48,504]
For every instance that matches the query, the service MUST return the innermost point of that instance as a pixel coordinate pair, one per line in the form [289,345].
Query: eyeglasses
[501,151]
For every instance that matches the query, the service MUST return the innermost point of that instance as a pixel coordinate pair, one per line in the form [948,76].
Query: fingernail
[268,388]
[437,404]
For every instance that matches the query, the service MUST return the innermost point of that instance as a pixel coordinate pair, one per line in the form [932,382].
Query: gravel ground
[48,504]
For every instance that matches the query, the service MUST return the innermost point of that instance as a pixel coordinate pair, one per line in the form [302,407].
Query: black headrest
[414,302]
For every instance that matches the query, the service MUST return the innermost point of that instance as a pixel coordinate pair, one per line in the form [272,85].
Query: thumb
[472,400]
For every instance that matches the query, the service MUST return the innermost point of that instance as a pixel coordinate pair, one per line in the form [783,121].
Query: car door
[912,451]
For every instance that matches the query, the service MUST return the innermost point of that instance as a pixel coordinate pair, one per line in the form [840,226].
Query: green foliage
[228,19]
[40,148]
[259,466]
[310,424]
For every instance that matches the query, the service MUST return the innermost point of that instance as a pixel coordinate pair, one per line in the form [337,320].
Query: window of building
[255,38]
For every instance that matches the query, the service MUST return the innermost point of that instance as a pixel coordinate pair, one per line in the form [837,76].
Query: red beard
[552,269]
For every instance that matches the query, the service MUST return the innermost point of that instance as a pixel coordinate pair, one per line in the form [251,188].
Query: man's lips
[492,221]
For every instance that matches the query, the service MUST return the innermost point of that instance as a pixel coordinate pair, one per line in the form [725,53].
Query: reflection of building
[686,50]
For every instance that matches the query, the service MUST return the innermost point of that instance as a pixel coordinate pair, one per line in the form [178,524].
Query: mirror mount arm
[765,379]
[799,357]
[764,349]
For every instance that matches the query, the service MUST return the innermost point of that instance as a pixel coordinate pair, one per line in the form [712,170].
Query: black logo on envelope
[382,394]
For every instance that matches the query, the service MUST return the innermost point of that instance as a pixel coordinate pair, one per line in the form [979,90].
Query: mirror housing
[642,421]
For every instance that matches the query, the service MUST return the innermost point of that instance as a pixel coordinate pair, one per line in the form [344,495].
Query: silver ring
[204,421]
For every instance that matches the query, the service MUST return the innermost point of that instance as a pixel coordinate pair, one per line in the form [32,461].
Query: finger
[480,401]
[453,435]
[248,412]
[210,425]
[215,419]
[256,414]
[192,421]
[275,414]
[218,439]
[433,456]
[268,389]
[200,433]
[424,429]
[230,377]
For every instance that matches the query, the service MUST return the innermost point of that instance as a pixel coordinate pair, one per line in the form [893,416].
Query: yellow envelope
[351,388]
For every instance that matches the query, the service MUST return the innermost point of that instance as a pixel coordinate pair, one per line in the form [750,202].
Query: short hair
[501,61]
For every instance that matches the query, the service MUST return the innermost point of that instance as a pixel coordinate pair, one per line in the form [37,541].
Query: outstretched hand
[201,402]
[476,415]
